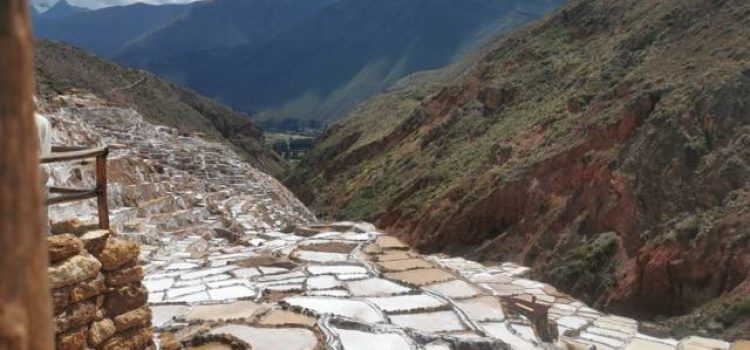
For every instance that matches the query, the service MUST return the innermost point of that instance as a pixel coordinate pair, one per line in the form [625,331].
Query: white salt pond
[375,287]
[354,309]
[442,321]
[407,302]
[359,340]
[271,338]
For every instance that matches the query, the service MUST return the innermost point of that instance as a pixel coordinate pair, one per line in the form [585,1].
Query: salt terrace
[233,260]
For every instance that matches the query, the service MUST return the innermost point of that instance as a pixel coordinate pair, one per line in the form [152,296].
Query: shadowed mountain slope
[61,67]
[301,59]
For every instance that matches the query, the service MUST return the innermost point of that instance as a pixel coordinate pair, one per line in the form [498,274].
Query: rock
[95,241]
[73,270]
[126,298]
[73,226]
[60,299]
[137,318]
[226,234]
[73,340]
[63,246]
[76,315]
[167,341]
[125,276]
[654,330]
[101,331]
[87,289]
[118,253]
[740,345]
[134,339]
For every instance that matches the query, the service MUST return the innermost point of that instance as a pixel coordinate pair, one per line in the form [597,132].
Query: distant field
[290,146]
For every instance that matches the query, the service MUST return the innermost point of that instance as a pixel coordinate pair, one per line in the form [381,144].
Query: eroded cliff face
[606,146]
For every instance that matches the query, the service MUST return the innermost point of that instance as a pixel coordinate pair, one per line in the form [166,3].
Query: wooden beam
[66,190]
[101,190]
[75,155]
[25,303]
[74,197]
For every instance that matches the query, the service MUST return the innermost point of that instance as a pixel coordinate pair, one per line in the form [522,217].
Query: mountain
[303,59]
[61,67]
[62,9]
[105,31]
[605,146]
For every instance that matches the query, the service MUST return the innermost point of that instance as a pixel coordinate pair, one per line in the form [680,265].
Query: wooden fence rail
[69,194]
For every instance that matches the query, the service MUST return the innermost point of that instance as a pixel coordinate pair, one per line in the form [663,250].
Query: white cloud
[95,4]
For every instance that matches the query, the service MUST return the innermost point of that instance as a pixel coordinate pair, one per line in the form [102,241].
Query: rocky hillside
[61,68]
[605,146]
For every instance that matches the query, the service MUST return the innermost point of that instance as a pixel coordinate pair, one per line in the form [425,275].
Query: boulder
[73,340]
[60,299]
[73,270]
[100,331]
[63,246]
[76,315]
[138,318]
[134,339]
[125,275]
[95,241]
[87,289]
[167,341]
[73,226]
[124,299]
[118,253]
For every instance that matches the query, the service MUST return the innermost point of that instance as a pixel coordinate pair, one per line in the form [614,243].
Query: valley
[422,175]
[230,259]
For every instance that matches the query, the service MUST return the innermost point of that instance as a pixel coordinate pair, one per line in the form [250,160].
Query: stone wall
[99,301]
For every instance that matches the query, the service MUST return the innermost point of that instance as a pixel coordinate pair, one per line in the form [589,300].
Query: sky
[95,4]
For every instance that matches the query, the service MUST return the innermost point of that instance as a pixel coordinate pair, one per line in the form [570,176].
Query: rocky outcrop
[91,312]
[577,146]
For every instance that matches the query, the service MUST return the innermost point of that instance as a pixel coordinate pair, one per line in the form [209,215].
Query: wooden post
[101,190]
[25,306]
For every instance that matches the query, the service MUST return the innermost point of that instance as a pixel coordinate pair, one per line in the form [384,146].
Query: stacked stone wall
[98,298]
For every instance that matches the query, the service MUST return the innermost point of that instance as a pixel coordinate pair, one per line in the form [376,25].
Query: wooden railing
[69,194]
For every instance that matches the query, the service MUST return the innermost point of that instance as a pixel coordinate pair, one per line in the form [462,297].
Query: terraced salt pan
[206,272]
[271,338]
[454,289]
[279,317]
[314,256]
[354,309]
[642,344]
[359,340]
[420,277]
[176,292]
[502,331]
[484,308]
[441,321]
[162,314]
[329,293]
[158,285]
[246,272]
[230,293]
[192,298]
[404,265]
[375,287]
[336,269]
[216,312]
[353,277]
[323,282]
[407,302]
